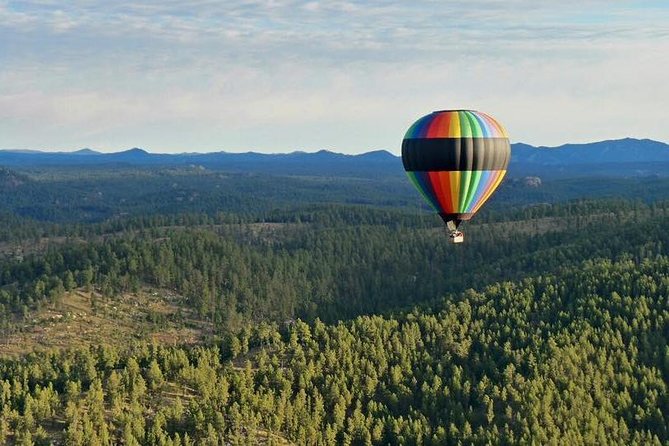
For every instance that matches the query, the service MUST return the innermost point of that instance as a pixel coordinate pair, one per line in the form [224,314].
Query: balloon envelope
[456,159]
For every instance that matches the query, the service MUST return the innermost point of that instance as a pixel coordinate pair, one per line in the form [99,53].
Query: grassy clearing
[85,318]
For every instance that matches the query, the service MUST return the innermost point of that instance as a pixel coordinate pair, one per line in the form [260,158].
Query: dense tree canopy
[579,358]
[340,324]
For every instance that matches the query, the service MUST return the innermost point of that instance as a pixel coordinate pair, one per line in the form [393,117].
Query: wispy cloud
[349,75]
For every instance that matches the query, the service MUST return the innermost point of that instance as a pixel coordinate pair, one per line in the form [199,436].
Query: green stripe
[465,177]
[465,129]
[473,186]
[477,131]
[412,130]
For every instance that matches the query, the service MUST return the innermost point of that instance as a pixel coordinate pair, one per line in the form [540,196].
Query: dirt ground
[86,318]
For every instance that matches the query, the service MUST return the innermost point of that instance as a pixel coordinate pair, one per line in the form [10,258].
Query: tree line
[334,263]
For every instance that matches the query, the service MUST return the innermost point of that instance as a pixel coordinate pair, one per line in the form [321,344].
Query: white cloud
[348,75]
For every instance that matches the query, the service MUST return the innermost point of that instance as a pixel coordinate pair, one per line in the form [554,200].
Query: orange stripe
[455,189]
[445,179]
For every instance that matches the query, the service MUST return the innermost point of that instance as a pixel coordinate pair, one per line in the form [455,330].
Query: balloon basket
[456,237]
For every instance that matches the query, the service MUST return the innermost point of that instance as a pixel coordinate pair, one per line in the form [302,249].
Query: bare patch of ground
[86,318]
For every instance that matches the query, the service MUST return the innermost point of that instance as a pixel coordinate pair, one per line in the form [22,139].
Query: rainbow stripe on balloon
[457,192]
[456,124]
[456,159]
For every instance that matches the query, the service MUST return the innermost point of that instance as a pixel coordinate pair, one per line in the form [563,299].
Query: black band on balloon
[434,154]
[456,217]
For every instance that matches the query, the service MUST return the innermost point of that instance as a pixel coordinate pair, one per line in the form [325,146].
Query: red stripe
[439,126]
[433,129]
[445,124]
[435,182]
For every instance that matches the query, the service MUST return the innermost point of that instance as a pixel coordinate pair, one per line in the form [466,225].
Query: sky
[347,76]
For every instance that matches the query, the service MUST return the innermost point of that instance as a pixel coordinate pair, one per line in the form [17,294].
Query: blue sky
[349,76]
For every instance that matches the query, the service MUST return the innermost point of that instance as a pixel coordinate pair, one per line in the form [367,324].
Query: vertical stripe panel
[432,130]
[487,177]
[501,131]
[445,180]
[424,178]
[465,178]
[483,123]
[436,187]
[465,129]
[473,186]
[411,133]
[424,126]
[444,125]
[454,126]
[419,184]
[495,185]
[476,130]
[455,189]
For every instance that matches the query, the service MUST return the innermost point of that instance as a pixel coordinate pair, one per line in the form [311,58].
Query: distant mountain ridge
[85,151]
[623,157]
[321,163]
[626,150]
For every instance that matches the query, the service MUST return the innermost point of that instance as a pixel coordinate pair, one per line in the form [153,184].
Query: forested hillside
[334,263]
[305,317]
[70,195]
[578,358]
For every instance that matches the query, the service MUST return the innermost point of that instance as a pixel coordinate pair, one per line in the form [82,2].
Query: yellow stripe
[454,128]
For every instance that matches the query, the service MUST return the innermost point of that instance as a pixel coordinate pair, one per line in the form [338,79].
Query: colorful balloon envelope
[456,159]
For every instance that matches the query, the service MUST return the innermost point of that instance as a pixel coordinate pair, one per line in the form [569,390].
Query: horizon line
[94,152]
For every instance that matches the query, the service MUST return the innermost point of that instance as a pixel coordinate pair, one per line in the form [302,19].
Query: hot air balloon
[456,159]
